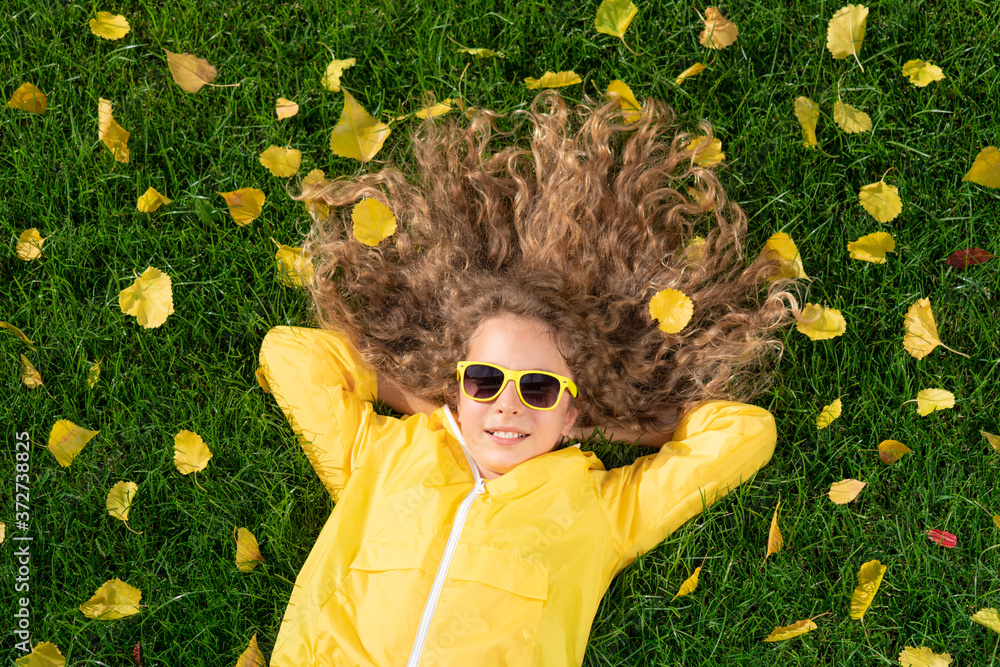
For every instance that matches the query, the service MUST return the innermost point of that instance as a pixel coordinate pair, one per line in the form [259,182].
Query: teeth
[508,434]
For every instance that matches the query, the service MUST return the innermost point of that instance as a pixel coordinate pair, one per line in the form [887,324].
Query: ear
[571,416]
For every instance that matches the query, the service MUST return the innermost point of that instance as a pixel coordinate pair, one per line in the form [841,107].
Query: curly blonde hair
[579,230]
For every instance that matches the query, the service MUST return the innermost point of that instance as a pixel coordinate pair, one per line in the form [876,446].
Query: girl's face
[504,432]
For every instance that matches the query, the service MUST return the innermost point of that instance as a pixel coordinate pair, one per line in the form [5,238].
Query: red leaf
[942,537]
[961,259]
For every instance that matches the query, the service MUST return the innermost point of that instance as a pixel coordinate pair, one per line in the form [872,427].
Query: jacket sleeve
[715,447]
[325,391]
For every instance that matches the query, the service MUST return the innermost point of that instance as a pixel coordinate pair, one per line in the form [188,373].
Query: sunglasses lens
[540,390]
[482,382]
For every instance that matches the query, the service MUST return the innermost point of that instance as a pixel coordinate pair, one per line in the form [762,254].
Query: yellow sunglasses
[539,390]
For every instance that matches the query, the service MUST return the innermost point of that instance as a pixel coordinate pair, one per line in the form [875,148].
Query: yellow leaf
[244,204]
[996,520]
[29,245]
[94,373]
[694,70]
[850,119]
[930,400]
[820,323]
[17,332]
[285,108]
[120,499]
[994,440]
[114,136]
[630,107]
[807,112]
[719,32]
[845,491]
[252,657]
[796,629]
[869,579]
[872,248]
[314,176]
[29,98]
[672,308]
[3,532]
[151,200]
[702,199]
[988,617]
[296,265]
[67,439]
[281,162]
[846,32]
[46,654]
[921,331]
[828,414]
[373,221]
[912,656]
[553,80]
[689,585]
[115,599]
[331,77]
[109,26]
[29,375]
[710,155]
[435,110]
[614,17]
[922,73]
[781,248]
[149,299]
[881,200]
[191,454]
[890,451]
[986,168]
[247,551]
[480,53]
[695,249]
[190,72]
[774,538]
[357,135]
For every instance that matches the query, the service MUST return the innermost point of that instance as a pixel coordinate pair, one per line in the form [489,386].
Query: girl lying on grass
[510,311]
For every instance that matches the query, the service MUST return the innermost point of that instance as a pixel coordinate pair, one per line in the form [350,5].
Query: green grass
[196,372]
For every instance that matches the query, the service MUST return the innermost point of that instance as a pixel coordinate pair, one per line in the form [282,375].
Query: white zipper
[449,549]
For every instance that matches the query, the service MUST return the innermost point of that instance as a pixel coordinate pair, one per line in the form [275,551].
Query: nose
[508,400]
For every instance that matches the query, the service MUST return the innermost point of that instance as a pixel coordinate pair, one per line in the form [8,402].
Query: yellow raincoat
[423,562]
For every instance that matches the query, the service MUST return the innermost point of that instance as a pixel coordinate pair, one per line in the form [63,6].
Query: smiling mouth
[508,435]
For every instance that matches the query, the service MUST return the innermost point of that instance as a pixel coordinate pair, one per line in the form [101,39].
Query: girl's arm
[401,400]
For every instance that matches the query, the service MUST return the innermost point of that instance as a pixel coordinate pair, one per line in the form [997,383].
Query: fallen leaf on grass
[694,70]
[921,73]
[191,454]
[29,245]
[845,33]
[114,136]
[923,657]
[869,579]
[989,618]
[845,490]
[252,656]
[435,110]
[248,554]
[553,80]
[373,221]
[689,585]
[3,532]
[630,106]
[921,335]
[480,53]
[962,259]
[850,119]
[151,200]
[93,373]
[29,98]
[807,112]
[996,520]
[109,26]
[774,538]
[881,200]
[30,376]
[333,72]
[820,323]
[67,439]
[796,629]
[780,247]
[986,168]
[296,265]
[614,17]
[190,72]
[119,501]
[245,204]
[872,247]
[829,413]
[17,332]
[149,298]
[994,440]
[930,400]
[46,654]
[719,31]
[890,451]
[285,108]
[115,599]
[281,162]
[710,155]
[942,537]
[357,135]
[672,309]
